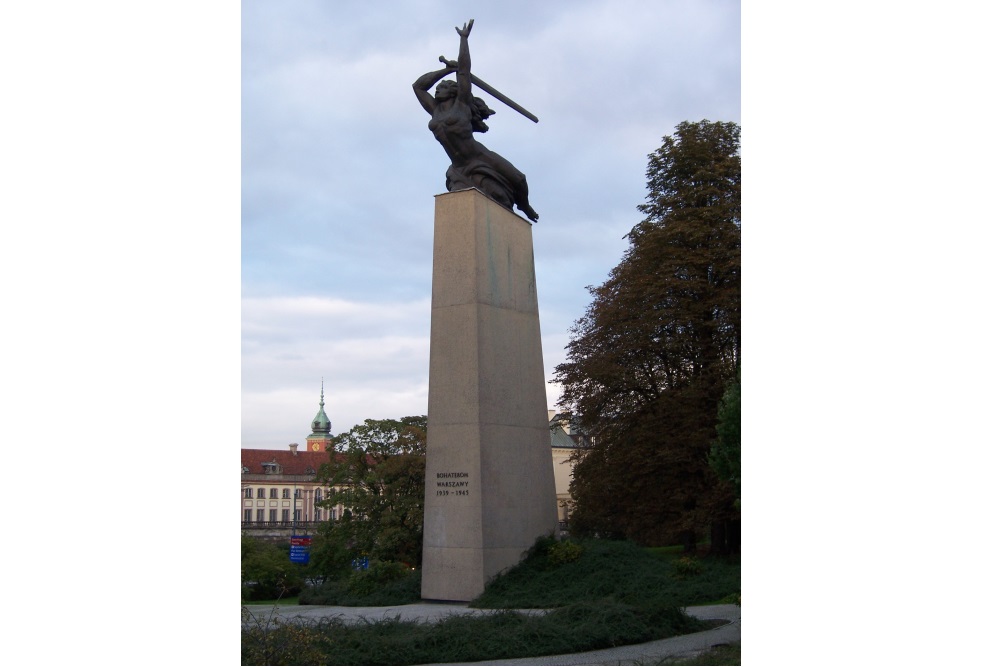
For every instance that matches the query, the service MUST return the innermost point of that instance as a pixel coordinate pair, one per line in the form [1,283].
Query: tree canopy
[376,471]
[648,362]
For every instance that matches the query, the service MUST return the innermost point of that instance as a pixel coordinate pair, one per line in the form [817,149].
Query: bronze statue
[455,115]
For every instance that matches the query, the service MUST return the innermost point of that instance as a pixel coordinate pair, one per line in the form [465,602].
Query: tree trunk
[733,535]
[720,545]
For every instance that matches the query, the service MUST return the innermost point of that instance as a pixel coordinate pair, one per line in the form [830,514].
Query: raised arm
[426,82]
[464,74]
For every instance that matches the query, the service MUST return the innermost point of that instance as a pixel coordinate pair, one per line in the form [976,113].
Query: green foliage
[502,635]
[608,571]
[648,362]
[382,584]
[728,654]
[564,552]
[377,471]
[687,566]
[614,594]
[330,554]
[725,454]
[732,598]
[266,571]
[268,641]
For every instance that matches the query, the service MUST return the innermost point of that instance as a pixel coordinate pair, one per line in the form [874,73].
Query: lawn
[602,594]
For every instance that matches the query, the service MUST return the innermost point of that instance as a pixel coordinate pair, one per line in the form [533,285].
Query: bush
[564,552]
[266,571]
[609,570]
[268,641]
[382,584]
[687,566]
[461,639]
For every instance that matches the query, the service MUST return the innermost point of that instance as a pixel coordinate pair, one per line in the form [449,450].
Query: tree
[376,471]
[266,571]
[648,362]
[725,454]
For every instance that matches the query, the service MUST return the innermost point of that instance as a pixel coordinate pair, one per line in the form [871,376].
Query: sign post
[300,548]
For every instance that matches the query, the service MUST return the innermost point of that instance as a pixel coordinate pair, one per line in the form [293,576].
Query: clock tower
[320,437]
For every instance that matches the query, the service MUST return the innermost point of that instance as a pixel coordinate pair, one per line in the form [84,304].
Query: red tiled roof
[291,463]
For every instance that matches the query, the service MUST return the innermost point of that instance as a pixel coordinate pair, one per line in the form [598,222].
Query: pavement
[637,654]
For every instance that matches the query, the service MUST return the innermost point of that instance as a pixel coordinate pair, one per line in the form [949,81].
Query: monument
[489,490]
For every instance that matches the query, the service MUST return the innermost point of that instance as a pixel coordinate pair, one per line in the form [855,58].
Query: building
[279,488]
[279,491]
[567,439]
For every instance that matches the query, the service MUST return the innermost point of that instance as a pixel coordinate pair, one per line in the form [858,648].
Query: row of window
[248,493]
[272,515]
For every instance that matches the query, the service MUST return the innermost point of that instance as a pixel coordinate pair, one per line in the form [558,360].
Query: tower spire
[320,437]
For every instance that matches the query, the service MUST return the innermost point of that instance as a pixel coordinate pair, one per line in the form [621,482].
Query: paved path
[638,654]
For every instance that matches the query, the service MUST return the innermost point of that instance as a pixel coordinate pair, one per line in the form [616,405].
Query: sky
[339,173]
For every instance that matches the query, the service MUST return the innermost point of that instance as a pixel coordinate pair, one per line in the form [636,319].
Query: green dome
[321,423]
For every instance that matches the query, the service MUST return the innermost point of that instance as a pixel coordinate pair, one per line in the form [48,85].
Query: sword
[494,92]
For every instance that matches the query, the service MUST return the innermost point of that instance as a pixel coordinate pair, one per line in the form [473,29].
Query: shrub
[382,584]
[266,571]
[687,566]
[564,552]
[732,598]
[363,583]
[268,641]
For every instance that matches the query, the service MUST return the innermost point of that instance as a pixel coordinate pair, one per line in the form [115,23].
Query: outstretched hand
[465,29]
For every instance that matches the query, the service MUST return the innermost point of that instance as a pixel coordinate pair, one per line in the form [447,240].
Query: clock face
[315,446]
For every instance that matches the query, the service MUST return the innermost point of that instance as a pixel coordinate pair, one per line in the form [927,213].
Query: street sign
[300,548]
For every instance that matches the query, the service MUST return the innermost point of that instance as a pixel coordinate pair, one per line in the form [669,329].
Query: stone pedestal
[490,490]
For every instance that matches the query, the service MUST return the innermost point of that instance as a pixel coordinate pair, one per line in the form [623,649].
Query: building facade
[279,491]
[567,439]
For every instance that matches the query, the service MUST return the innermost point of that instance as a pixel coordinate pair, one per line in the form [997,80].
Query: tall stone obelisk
[490,491]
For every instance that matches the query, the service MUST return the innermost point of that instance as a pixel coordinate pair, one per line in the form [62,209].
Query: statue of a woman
[455,115]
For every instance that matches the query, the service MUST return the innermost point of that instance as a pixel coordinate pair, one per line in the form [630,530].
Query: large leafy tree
[376,471]
[649,361]
[725,455]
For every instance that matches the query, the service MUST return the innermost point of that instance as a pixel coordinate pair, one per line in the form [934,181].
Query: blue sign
[360,563]
[300,548]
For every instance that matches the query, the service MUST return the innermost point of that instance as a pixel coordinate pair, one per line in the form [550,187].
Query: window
[298,493]
[298,516]
[316,515]
[248,493]
[260,493]
[274,493]
[319,495]
[272,516]
[284,494]
[247,516]
[284,516]
[260,516]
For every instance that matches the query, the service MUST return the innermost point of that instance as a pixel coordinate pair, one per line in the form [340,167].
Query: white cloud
[339,173]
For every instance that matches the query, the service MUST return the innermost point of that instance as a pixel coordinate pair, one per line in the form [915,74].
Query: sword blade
[503,98]
[494,92]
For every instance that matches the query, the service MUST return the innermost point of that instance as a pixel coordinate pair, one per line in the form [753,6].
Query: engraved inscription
[452,484]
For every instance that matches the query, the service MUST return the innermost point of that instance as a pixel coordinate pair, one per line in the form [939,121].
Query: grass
[602,593]
[294,600]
